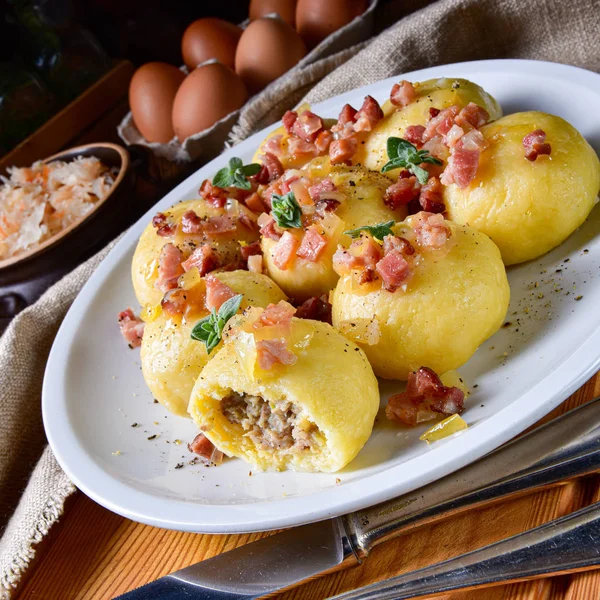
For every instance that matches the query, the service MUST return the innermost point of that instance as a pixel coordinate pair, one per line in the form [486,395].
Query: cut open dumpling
[286,393]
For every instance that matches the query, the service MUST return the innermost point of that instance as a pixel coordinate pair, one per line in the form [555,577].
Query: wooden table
[93,554]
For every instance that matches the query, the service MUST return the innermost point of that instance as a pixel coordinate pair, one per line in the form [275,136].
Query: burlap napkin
[444,32]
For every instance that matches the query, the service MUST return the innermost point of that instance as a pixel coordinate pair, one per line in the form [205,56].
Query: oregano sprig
[236,174]
[286,211]
[378,231]
[402,153]
[210,329]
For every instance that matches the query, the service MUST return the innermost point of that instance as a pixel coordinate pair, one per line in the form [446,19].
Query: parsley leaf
[210,329]
[286,211]
[378,231]
[402,153]
[236,174]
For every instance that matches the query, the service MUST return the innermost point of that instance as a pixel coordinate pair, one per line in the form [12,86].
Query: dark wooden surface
[93,117]
[64,127]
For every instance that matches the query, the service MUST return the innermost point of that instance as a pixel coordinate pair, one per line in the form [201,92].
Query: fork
[566,545]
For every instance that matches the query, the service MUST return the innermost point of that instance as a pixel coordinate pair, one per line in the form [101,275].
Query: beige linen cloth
[33,488]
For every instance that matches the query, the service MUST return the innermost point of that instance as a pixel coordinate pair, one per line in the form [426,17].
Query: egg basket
[171,159]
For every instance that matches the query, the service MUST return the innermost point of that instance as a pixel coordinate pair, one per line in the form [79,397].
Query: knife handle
[567,447]
[566,545]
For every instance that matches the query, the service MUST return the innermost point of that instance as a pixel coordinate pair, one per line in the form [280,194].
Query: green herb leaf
[251,169]
[235,163]
[394,146]
[425,157]
[223,178]
[286,211]
[236,174]
[229,308]
[210,329]
[378,231]
[402,154]
[421,174]
[240,181]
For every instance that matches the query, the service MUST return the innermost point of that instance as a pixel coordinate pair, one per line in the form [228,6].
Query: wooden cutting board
[94,554]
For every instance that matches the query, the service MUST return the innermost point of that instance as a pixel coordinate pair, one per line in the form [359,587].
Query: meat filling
[270,425]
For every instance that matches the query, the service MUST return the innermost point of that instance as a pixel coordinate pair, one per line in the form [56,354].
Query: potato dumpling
[363,205]
[313,415]
[172,360]
[455,299]
[279,138]
[528,207]
[144,266]
[433,93]
[287,161]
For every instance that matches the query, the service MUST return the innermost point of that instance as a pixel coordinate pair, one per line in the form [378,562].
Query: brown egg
[316,19]
[208,94]
[151,93]
[210,38]
[286,9]
[267,49]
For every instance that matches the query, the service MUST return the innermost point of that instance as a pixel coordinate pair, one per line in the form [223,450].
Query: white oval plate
[94,392]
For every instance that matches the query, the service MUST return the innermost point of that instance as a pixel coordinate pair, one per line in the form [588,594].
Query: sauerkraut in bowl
[38,202]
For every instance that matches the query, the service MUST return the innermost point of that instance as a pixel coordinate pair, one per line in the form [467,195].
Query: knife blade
[257,569]
[567,447]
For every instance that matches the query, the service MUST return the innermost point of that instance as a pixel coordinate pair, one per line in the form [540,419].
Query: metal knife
[567,545]
[567,447]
